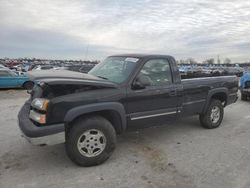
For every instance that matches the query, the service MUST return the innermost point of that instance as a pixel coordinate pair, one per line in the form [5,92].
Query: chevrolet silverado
[87,111]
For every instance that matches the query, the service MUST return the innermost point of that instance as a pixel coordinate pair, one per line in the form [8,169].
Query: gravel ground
[178,155]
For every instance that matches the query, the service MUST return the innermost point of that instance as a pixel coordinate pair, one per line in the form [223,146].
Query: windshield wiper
[102,77]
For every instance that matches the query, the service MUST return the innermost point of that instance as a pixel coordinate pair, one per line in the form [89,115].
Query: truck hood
[58,77]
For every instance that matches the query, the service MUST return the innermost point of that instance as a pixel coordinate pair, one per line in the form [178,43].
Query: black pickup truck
[87,111]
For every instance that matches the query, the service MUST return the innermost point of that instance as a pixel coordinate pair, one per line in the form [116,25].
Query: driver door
[157,102]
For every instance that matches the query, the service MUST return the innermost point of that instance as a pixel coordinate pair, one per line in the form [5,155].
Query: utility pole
[218,59]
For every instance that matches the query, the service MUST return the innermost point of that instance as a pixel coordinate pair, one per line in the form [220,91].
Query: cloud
[194,28]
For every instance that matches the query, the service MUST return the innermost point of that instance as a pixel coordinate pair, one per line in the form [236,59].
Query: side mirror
[141,82]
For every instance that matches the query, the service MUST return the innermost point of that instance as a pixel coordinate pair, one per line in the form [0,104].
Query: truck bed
[196,91]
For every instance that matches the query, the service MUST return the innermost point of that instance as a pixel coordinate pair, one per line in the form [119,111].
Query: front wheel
[213,116]
[90,141]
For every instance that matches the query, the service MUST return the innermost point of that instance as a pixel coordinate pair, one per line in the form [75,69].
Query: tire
[210,120]
[243,97]
[90,131]
[28,85]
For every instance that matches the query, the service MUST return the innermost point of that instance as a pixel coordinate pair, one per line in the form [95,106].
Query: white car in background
[3,67]
[43,67]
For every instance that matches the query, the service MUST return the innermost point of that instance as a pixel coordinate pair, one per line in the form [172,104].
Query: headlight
[40,118]
[40,104]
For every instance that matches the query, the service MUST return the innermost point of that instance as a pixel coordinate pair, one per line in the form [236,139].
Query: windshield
[115,69]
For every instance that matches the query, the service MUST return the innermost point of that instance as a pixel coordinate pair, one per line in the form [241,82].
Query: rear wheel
[90,141]
[213,116]
[28,85]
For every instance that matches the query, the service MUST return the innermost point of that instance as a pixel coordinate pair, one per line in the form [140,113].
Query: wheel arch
[27,81]
[219,94]
[112,111]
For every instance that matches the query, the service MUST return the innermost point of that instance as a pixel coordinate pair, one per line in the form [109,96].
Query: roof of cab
[142,55]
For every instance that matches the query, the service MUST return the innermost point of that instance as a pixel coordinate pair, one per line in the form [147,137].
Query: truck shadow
[179,126]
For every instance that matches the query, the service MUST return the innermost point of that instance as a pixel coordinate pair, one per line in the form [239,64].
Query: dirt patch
[155,157]
[162,172]
[11,161]
[165,173]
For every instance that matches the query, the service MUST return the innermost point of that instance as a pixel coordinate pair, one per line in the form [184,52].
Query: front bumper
[39,135]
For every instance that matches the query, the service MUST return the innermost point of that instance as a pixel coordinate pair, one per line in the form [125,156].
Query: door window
[157,71]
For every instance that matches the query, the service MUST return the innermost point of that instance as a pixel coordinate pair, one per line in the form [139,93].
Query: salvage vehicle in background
[9,79]
[43,67]
[196,71]
[3,67]
[77,68]
[86,111]
[245,86]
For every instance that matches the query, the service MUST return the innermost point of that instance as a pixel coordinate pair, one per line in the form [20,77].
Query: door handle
[172,93]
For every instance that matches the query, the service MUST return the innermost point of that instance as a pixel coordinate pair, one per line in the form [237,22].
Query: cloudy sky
[93,29]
